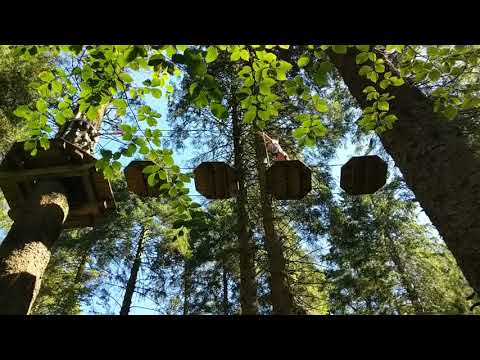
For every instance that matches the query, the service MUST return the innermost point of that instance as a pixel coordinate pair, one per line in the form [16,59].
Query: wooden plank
[64,171]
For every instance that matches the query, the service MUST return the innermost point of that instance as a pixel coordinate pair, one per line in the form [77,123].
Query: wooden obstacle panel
[215,180]
[363,175]
[137,180]
[89,193]
[289,180]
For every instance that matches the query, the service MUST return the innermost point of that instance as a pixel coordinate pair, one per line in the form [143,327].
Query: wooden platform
[289,180]
[137,180]
[89,193]
[215,180]
[363,175]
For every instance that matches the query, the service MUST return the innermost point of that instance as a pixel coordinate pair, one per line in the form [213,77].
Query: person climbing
[274,147]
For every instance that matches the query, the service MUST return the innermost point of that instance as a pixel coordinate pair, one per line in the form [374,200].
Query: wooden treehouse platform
[215,180]
[289,180]
[137,180]
[89,194]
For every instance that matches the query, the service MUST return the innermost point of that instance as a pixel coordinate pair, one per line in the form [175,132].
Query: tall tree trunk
[281,297]
[248,285]
[226,306]
[132,280]
[405,279]
[438,163]
[187,286]
[25,252]
[81,266]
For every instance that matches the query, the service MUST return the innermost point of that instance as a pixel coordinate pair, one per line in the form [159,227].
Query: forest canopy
[106,209]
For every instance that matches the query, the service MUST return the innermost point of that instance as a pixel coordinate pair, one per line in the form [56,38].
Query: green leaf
[300,132]
[432,51]
[116,165]
[165,187]
[156,93]
[57,86]
[162,174]
[125,77]
[219,111]
[44,143]
[244,54]
[250,115]
[144,150]
[398,48]
[212,54]
[197,69]
[385,83]
[235,56]
[390,118]
[151,169]
[450,112]
[363,48]
[59,118]
[264,115]
[181,47]
[120,103]
[373,76]
[172,192]
[282,68]
[379,68]
[434,75]
[397,81]
[320,104]
[108,172]
[168,159]
[369,89]
[151,180]
[383,106]
[339,49]
[265,85]
[364,70]
[303,61]
[361,58]
[46,76]
[151,121]
[41,105]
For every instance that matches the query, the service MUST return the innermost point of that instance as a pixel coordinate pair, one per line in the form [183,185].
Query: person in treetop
[274,147]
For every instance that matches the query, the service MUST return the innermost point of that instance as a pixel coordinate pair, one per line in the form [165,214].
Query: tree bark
[25,252]
[187,285]
[438,163]
[226,307]
[132,280]
[281,297]
[405,279]
[81,266]
[248,286]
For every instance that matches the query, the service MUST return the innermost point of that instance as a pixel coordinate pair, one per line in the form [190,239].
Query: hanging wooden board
[137,180]
[363,175]
[289,180]
[215,180]
[89,194]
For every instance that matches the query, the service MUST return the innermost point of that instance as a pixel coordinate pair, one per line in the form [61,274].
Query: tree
[285,90]
[423,142]
[382,261]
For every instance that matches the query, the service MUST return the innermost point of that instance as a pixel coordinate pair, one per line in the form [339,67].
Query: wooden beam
[64,171]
